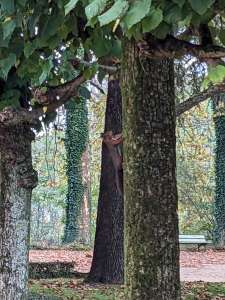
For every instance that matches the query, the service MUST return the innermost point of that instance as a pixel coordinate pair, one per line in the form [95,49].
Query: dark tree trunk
[17,181]
[151,222]
[219,206]
[107,265]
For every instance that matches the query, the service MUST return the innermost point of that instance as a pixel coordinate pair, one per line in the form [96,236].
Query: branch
[110,69]
[197,99]
[52,99]
[60,93]
[97,86]
[171,47]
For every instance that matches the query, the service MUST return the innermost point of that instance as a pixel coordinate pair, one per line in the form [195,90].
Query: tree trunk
[85,215]
[75,144]
[107,264]
[17,181]
[151,222]
[219,206]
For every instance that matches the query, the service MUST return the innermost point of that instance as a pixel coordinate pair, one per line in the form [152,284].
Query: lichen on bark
[151,222]
[17,179]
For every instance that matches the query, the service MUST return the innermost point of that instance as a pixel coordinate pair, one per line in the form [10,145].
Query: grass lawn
[75,289]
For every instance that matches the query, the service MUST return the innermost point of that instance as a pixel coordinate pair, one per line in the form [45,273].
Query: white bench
[199,240]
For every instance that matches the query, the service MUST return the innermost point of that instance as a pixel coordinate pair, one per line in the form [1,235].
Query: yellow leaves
[45,108]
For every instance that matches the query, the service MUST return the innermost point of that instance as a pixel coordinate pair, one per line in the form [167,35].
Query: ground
[196,267]
[208,266]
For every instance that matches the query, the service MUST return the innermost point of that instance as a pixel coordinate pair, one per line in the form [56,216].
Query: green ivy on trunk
[219,205]
[75,143]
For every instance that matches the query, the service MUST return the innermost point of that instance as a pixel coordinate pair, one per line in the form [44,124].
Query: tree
[76,139]
[27,59]
[107,264]
[149,47]
[151,228]
[17,181]
[219,207]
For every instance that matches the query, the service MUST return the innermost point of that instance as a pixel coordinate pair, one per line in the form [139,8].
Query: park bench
[199,240]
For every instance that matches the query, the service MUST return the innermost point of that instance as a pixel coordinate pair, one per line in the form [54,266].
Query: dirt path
[207,273]
[206,266]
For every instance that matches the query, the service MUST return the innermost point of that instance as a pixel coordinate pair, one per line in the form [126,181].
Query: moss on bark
[151,222]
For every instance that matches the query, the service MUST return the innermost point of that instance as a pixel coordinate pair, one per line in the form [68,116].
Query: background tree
[27,59]
[76,143]
[107,264]
[219,207]
[48,200]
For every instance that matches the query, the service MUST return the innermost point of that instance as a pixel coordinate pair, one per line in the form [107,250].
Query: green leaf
[118,9]
[162,30]
[173,14]
[135,31]
[29,48]
[84,92]
[6,64]
[100,42]
[8,6]
[22,2]
[91,71]
[222,36]
[216,74]
[201,6]
[8,28]
[10,98]
[153,20]
[116,49]
[51,25]
[179,2]
[70,5]
[137,11]
[95,8]
[46,69]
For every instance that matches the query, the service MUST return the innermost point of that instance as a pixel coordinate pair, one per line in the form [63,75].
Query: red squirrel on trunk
[114,146]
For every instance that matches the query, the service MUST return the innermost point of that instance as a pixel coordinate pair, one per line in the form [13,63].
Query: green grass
[75,289]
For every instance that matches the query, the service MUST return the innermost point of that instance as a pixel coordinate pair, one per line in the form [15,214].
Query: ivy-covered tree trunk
[108,263]
[151,221]
[76,138]
[219,205]
[17,181]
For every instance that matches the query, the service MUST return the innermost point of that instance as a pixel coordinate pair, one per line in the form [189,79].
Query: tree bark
[151,222]
[85,215]
[219,205]
[17,179]
[107,264]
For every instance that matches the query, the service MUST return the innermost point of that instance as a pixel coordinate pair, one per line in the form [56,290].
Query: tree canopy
[40,42]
